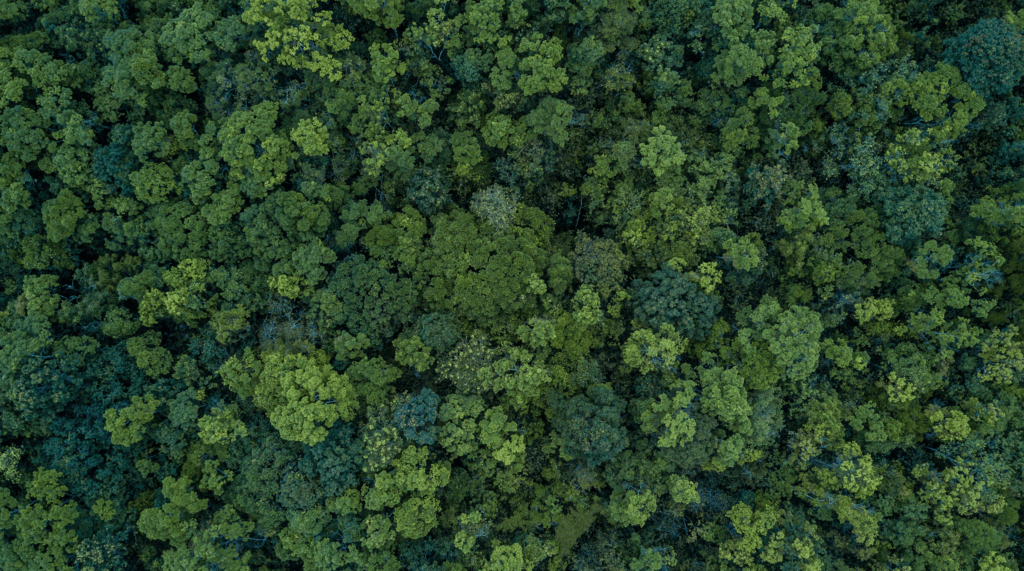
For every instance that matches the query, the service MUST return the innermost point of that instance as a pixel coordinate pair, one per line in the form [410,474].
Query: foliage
[373,301]
[598,262]
[989,54]
[590,426]
[495,205]
[669,297]
[914,214]
[428,191]
[415,416]
[302,396]
[501,285]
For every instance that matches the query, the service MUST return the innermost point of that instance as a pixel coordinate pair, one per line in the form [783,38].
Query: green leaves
[1002,357]
[858,36]
[551,119]
[466,151]
[38,533]
[653,559]
[150,356]
[62,214]
[670,298]
[405,285]
[990,54]
[311,136]
[303,396]
[781,342]
[506,558]
[126,425]
[416,517]
[682,491]
[497,434]
[723,396]
[173,521]
[745,252]
[298,37]
[495,205]
[590,426]
[222,425]
[754,540]
[250,145]
[187,36]
[539,71]
[411,352]
[662,152]
[807,216]
[630,508]
[388,15]
[669,418]
[647,352]
[520,376]
[134,67]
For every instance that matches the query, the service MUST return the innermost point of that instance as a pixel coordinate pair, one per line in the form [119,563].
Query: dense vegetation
[511,285]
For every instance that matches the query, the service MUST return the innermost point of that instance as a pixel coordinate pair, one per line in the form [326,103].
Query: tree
[415,416]
[590,425]
[778,343]
[744,253]
[477,274]
[662,152]
[411,352]
[134,69]
[62,214]
[458,416]
[311,136]
[724,397]
[428,191]
[172,522]
[520,376]
[188,36]
[379,532]
[599,262]
[668,417]
[39,531]
[627,507]
[647,351]
[755,538]
[914,214]
[127,425]
[293,32]
[383,284]
[655,559]
[538,65]
[438,331]
[302,395]
[500,436]
[416,517]
[990,54]
[670,298]
[857,36]
[495,205]
[373,301]
[222,425]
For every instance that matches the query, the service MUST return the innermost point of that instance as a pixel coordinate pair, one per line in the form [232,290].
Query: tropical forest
[511,285]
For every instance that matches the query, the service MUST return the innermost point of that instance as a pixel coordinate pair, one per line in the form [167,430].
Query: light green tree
[299,37]
[127,425]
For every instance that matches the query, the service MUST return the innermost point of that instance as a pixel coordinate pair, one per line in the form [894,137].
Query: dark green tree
[990,54]
[668,296]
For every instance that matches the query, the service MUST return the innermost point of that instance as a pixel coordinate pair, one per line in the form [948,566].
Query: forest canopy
[511,285]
